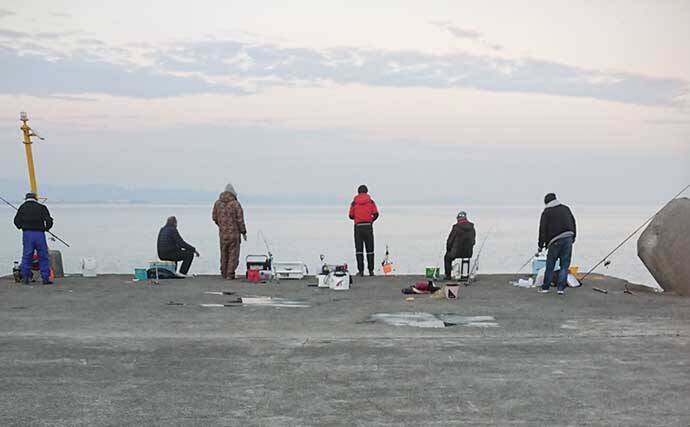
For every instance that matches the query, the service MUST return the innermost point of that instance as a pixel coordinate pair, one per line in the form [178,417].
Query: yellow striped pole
[29,155]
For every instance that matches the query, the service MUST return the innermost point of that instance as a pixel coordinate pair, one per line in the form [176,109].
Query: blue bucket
[140,274]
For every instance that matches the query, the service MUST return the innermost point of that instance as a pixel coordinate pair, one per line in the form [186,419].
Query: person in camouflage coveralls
[229,217]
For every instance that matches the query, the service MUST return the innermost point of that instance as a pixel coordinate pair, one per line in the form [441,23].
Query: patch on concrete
[429,320]
[664,245]
[569,324]
[260,301]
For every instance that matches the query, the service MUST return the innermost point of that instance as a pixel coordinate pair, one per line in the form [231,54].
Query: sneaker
[542,291]
[47,282]
[181,275]
[561,292]
[371,273]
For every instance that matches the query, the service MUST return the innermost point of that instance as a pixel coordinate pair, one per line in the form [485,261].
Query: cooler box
[253,275]
[171,266]
[258,262]
[539,262]
[290,270]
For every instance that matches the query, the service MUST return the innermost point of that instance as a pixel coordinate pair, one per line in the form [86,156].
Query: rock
[664,247]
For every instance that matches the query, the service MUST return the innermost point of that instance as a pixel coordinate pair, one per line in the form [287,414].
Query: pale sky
[448,101]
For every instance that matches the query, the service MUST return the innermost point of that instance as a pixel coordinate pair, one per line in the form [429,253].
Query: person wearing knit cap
[557,233]
[229,217]
[34,219]
[460,242]
[363,212]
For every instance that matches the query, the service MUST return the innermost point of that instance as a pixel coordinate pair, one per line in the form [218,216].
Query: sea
[122,237]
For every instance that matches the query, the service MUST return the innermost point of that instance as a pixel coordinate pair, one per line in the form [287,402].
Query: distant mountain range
[14,191]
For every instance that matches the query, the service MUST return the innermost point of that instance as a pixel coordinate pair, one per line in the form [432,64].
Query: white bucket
[88,267]
[339,283]
[452,291]
[323,281]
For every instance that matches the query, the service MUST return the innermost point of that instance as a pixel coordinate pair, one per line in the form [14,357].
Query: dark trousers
[364,238]
[35,241]
[448,263]
[181,255]
[562,250]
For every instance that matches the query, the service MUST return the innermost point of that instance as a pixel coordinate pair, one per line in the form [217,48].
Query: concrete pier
[108,351]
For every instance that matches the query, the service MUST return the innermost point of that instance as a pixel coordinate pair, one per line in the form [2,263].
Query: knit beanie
[549,198]
[30,196]
[362,189]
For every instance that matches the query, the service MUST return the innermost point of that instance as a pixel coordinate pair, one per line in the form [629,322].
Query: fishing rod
[261,235]
[475,266]
[526,262]
[274,275]
[632,234]
[53,235]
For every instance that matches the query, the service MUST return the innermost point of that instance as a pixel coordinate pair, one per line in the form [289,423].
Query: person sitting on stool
[34,220]
[171,247]
[460,242]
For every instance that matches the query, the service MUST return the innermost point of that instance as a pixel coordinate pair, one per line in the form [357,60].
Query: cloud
[416,69]
[461,33]
[5,13]
[236,67]
[46,35]
[10,34]
[36,75]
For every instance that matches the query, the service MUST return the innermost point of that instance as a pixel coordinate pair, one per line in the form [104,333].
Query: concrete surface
[110,352]
[664,246]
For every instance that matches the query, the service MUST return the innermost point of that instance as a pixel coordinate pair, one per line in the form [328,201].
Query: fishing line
[633,234]
[54,236]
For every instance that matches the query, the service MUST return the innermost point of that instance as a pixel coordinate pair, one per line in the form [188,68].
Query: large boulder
[664,247]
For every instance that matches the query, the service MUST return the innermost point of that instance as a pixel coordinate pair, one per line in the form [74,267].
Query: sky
[445,102]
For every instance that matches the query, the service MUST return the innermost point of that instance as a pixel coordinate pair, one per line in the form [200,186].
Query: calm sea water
[122,237]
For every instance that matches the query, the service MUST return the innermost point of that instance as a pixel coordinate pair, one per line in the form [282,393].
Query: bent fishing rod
[49,232]
[475,266]
[633,234]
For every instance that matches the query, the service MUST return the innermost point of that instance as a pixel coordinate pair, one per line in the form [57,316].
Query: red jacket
[363,209]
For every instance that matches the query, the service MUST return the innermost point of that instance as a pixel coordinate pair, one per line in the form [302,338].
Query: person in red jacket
[363,212]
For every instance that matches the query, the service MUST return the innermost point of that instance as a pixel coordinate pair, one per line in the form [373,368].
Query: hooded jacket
[461,240]
[33,216]
[170,243]
[229,217]
[363,210]
[557,222]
